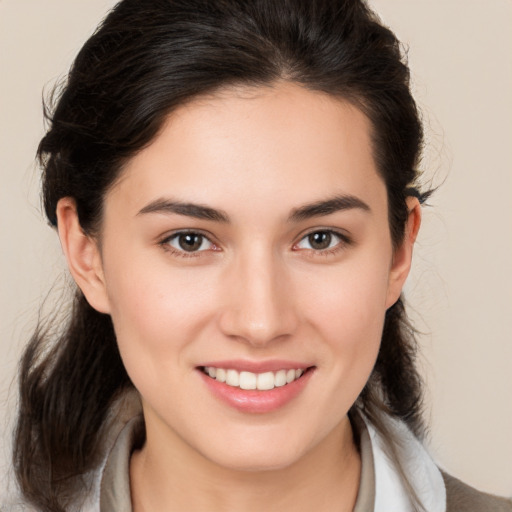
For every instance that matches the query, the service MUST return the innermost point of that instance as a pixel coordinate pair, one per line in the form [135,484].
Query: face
[250,242]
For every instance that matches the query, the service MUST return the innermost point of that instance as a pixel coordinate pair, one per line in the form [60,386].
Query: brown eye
[320,240]
[323,240]
[189,242]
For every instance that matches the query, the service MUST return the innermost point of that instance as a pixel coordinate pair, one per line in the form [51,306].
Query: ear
[402,256]
[83,255]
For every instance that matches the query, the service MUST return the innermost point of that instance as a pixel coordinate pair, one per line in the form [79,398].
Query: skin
[256,290]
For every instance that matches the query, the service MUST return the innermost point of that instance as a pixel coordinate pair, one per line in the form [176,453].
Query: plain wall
[461,285]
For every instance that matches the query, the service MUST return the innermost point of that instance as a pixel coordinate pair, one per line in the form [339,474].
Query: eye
[322,240]
[188,242]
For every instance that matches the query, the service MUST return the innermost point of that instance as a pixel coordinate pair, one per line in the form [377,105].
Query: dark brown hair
[145,59]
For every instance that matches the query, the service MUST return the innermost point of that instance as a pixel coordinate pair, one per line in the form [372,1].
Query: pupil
[190,242]
[320,240]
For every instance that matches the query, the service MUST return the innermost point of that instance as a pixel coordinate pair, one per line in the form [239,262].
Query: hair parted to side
[147,58]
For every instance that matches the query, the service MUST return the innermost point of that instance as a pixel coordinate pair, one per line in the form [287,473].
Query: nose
[258,300]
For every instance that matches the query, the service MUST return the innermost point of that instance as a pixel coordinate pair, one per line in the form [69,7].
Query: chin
[262,461]
[251,452]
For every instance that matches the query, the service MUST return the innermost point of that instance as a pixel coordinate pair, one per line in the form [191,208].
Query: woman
[234,188]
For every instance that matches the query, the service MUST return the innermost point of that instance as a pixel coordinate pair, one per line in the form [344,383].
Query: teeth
[265,381]
[280,378]
[232,378]
[249,380]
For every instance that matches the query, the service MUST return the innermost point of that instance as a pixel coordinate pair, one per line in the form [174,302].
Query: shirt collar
[422,474]
[381,486]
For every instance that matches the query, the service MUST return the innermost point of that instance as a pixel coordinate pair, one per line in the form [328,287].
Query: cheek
[350,300]
[348,308]
[156,314]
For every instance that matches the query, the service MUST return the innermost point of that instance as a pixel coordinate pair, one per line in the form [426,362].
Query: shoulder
[463,498]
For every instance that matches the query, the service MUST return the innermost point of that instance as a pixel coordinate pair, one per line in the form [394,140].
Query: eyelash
[165,243]
[343,242]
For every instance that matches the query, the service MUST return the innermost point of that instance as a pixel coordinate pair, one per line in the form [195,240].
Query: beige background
[462,277]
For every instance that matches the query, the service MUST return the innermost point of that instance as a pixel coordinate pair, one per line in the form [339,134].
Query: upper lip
[242,365]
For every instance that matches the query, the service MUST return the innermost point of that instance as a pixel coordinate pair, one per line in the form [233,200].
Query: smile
[249,380]
[267,388]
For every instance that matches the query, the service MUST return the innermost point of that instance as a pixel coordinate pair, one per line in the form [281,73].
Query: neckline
[115,495]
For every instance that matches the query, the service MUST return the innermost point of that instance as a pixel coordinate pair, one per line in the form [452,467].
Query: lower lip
[253,400]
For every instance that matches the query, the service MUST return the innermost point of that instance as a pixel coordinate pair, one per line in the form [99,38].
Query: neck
[324,479]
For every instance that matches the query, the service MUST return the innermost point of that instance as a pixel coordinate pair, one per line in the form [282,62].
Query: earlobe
[402,257]
[82,254]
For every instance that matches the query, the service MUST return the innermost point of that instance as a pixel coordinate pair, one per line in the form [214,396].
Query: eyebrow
[328,207]
[308,211]
[197,211]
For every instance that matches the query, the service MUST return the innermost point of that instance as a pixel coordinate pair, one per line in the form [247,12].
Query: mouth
[262,391]
[246,380]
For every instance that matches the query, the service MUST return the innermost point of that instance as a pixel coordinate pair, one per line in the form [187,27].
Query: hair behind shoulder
[66,386]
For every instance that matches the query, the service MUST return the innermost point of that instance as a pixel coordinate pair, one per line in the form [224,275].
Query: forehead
[260,147]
